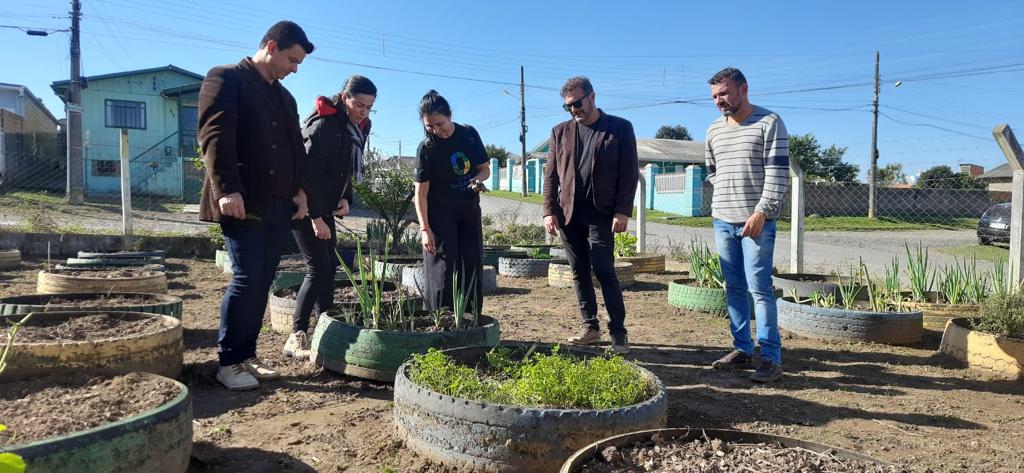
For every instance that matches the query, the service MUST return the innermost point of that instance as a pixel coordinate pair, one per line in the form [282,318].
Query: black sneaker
[620,344]
[767,372]
[735,360]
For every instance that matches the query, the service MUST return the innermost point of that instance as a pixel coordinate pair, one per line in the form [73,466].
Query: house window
[106,168]
[126,114]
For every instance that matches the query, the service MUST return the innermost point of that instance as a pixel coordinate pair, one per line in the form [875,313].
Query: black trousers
[459,247]
[317,290]
[589,245]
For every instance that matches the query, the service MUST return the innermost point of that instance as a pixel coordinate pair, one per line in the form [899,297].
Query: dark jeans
[255,248]
[459,246]
[317,290]
[589,244]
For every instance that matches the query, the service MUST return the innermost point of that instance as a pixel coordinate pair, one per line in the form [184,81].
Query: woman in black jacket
[335,137]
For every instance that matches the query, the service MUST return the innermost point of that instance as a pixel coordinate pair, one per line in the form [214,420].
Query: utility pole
[873,171]
[76,188]
[522,124]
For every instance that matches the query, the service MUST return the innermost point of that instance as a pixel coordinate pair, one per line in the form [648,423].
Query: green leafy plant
[1002,314]
[10,462]
[555,380]
[505,229]
[625,245]
[387,189]
[705,266]
[369,289]
[876,293]
[848,287]
[538,253]
[462,293]
[921,276]
[820,299]
[892,279]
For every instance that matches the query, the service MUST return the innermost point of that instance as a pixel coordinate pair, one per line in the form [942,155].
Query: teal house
[158,107]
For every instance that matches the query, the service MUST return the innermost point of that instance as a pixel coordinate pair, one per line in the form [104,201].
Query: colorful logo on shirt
[460,163]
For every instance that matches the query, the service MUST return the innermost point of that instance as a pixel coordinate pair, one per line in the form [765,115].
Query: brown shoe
[588,336]
[735,360]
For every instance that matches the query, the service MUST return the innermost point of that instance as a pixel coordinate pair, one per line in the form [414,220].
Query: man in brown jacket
[253,152]
[589,184]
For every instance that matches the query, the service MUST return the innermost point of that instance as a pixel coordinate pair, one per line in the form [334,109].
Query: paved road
[824,251]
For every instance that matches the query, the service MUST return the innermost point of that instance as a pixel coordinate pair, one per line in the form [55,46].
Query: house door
[187,127]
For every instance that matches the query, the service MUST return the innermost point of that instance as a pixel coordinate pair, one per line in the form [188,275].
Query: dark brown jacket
[237,126]
[615,169]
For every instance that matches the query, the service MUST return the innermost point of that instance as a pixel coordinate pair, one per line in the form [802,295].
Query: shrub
[554,380]
[625,245]
[1002,314]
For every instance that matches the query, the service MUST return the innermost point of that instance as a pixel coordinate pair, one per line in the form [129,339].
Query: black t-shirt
[584,160]
[449,164]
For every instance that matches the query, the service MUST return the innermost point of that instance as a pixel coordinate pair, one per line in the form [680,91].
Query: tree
[890,174]
[818,164]
[499,153]
[677,132]
[943,177]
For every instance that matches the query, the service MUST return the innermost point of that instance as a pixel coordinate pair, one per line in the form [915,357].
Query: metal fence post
[796,230]
[126,184]
[641,217]
[1015,157]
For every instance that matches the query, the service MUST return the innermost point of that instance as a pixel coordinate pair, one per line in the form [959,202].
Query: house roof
[997,173]
[651,150]
[61,85]
[32,96]
[182,90]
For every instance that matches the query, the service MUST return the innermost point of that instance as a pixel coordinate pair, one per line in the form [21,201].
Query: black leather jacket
[334,146]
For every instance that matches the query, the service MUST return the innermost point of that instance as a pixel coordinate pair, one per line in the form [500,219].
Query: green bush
[1002,314]
[554,380]
[515,234]
[625,245]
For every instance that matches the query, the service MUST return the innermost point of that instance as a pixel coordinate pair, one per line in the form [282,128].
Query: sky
[959,64]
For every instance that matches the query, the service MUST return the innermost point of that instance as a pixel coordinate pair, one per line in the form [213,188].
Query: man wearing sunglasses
[589,183]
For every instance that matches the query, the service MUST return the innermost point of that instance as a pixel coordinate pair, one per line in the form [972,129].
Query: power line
[934,126]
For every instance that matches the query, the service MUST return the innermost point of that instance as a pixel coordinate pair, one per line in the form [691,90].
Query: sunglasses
[577,104]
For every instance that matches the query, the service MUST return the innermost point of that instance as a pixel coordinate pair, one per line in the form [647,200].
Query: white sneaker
[236,377]
[297,345]
[259,370]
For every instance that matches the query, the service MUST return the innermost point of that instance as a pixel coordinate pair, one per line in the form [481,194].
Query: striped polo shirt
[748,165]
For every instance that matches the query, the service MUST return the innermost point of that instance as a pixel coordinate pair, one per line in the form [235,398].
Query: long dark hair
[430,104]
[356,85]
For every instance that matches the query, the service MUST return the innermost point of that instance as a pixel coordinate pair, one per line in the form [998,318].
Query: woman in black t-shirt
[451,165]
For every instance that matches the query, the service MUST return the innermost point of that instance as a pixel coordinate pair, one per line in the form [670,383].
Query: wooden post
[126,184]
[641,215]
[1015,157]
[797,210]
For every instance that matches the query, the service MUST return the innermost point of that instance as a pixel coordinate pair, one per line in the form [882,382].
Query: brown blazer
[237,124]
[615,169]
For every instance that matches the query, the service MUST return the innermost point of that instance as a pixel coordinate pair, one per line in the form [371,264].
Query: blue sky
[961,63]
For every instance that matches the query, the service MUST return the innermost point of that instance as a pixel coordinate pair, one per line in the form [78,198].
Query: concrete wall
[39,245]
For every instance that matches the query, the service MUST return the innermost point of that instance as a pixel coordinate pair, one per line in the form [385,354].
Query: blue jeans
[255,248]
[747,267]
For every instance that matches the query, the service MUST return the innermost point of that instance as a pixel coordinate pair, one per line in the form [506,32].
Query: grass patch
[811,224]
[554,380]
[991,253]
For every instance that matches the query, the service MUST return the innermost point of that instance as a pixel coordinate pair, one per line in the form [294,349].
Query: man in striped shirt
[747,155]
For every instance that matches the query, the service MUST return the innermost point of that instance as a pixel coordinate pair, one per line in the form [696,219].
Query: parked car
[994,225]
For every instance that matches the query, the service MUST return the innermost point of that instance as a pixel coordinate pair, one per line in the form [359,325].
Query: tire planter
[120,262]
[392,269]
[283,308]
[123,254]
[219,257]
[285,279]
[807,283]
[491,256]
[560,275]
[56,283]
[683,293]
[520,267]
[480,436]
[412,278]
[586,454]
[558,252]
[377,354]
[158,441]
[998,356]
[893,328]
[545,247]
[154,304]
[159,352]
[645,262]
[10,259]
[936,315]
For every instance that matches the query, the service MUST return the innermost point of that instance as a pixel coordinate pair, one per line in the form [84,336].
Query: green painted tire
[682,294]
[377,354]
[156,441]
[162,304]
[283,308]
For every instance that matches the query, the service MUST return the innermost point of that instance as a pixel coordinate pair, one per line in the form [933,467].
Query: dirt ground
[902,404]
